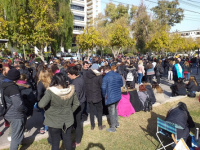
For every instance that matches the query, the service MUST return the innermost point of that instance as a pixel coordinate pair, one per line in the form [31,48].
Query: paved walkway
[35,122]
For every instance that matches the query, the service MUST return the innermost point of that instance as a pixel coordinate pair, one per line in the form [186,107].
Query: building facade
[195,34]
[84,12]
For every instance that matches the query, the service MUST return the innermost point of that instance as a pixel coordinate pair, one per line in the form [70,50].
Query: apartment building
[93,9]
[84,12]
[195,34]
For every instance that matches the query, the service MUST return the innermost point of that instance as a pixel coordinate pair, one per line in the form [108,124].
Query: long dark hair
[59,79]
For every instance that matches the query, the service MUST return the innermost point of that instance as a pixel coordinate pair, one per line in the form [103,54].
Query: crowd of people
[63,90]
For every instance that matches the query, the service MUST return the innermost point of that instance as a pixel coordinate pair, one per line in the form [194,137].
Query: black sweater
[79,88]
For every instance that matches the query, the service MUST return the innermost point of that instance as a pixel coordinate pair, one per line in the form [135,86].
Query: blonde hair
[140,62]
[159,89]
[192,78]
[45,78]
[186,64]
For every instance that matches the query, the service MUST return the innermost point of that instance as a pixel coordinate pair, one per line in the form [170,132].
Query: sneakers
[111,130]
[92,127]
[42,130]
[102,127]
[6,124]
[76,144]
[9,138]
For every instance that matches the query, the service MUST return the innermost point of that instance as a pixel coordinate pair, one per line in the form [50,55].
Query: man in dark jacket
[78,82]
[16,109]
[111,90]
[93,82]
[181,117]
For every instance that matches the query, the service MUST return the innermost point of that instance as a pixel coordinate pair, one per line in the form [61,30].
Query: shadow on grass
[95,145]
[150,131]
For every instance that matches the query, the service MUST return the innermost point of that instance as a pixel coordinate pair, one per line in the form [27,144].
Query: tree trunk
[24,52]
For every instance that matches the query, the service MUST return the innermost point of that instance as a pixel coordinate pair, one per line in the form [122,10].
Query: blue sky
[191,20]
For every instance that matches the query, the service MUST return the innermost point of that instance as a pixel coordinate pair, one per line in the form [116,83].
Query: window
[187,34]
[81,8]
[78,28]
[198,33]
[78,18]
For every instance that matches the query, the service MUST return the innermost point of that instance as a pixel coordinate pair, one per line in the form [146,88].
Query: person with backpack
[27,94]
[159,70]
[131,75]
[144,98]
[16,110]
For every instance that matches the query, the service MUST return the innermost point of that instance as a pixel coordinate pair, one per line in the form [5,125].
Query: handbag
[191,94]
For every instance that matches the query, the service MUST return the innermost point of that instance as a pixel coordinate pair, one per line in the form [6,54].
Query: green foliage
[168,12]
[142,28]
[160,41]
[113,12]
[74,49]
[3,29]
[38,22]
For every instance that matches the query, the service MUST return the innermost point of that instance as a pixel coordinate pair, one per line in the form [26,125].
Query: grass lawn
[135,133]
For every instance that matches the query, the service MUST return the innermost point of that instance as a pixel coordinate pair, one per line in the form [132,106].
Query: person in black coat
[134,99]
[131,76]
[78,82]
[93,82]
[150,92]
[192,85]
[179,88]
[157,69]
[27,94]
[181,116]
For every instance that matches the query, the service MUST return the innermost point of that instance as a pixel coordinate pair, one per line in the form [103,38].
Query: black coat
[150,93]
[181,89]
[191,87]
[93,84]
[182,118]
[135,101]
[79,88]
[28,97]
[14,102]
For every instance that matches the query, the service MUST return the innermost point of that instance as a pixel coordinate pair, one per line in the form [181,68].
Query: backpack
[129,76]
[161,70]
[147,104]
[2,104]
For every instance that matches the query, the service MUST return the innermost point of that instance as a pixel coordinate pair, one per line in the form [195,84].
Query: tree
[119,36]
[160,41]
[64,34]
[89,39]
[142,28]
[38,23]
[3,29]
[176,43]
[168,12]
[113,12]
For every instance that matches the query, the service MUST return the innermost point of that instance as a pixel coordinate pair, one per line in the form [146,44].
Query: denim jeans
[140,75]
[56,137]
[45,127]
[113,115]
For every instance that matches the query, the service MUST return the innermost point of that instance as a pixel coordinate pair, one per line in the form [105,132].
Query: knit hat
[13,74]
